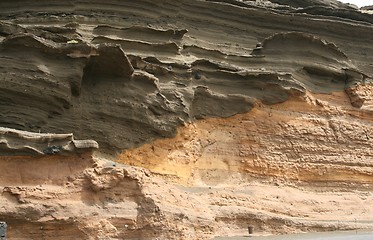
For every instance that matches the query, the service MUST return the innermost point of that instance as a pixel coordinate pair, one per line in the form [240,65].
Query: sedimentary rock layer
[317,140]
[84,197]
[15,142]
[216,115]
[63,65]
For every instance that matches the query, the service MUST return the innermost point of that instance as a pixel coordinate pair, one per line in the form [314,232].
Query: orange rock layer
[309,139]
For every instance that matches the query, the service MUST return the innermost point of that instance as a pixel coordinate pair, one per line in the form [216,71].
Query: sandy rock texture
[147,68]
[286,168]
[204,117]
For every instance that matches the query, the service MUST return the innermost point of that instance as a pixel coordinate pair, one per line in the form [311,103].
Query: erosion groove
[63,53]
[216,115]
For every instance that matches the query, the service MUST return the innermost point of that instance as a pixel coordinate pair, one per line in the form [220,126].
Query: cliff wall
[204,117]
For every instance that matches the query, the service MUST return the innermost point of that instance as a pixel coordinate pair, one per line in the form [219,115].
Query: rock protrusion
[109,61]
[361,96]
[16,142]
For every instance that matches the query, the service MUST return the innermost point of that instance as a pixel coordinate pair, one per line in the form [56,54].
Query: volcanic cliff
[185,119]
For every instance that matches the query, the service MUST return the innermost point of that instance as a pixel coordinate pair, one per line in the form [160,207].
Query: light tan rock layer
[303,165]
[317,138]
[267,114]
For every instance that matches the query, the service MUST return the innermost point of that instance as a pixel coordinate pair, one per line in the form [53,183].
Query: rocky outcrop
[61,75]
[109,61]
[304,165]
[208,122]
[77,195]
[317,140]
[15,142]
[361,96]
[367,8]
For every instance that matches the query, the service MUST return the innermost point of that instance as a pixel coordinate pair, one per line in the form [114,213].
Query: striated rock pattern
[15,142]
[85,197]
[315,141]
[148,68]
[74,197]
[211,116]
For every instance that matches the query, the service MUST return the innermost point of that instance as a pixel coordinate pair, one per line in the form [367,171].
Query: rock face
[215,115]
[66,66]
[15,142]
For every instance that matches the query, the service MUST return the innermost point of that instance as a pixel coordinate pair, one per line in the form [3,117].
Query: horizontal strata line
[136,29]
[134,46]
[121,40]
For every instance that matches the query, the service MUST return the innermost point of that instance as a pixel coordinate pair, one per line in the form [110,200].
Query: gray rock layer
[124,73]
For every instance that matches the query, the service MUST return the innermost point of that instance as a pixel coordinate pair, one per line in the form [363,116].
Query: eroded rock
[16,142]
[230,119]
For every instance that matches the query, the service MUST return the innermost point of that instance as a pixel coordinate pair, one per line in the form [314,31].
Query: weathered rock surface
[361,96]
[64,66]
[16,142]
[216,115]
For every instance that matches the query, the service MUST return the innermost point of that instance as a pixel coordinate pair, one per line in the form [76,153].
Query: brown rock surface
[313,138]
[211,116]
[361,96]
[302,165]
[62,65]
